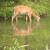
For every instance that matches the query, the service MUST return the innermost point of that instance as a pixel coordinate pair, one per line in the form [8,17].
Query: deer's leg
[16,19]
[13,17]
[26,19]
[30,20]
[16,16]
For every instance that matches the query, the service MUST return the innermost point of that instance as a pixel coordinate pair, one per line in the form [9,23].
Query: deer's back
[22,9]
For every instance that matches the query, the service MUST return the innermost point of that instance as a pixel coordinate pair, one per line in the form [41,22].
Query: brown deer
[20,9]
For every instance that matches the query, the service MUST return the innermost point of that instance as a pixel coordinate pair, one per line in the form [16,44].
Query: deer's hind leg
[14,17]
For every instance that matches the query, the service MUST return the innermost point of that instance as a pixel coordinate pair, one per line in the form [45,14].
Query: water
[40,33]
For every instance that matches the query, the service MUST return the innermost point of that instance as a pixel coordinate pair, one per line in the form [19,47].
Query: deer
[23,9]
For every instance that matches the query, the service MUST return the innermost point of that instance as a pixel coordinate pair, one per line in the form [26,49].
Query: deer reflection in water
[22,32]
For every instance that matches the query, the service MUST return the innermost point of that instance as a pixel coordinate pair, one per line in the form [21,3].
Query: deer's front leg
[16,19]
[30,20]
[26,19]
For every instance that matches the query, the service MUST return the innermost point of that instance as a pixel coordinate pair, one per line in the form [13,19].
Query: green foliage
[6,7]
